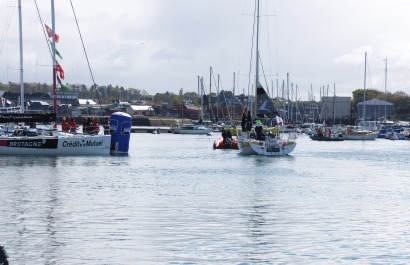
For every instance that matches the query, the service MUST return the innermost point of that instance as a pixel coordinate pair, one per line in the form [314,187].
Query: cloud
[354,57]
[164,54]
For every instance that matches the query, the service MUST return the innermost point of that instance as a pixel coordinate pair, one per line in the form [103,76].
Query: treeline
[105,94]
[400,100]
[109,94]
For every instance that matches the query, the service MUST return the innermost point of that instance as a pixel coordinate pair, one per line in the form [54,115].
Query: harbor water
[175,200]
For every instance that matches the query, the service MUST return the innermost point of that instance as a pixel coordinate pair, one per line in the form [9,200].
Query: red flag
[50,33]
[60,70]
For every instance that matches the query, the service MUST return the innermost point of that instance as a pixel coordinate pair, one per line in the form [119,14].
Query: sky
[165,45]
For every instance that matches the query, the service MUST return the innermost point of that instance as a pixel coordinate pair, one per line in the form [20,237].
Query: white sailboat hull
[69,144]
[245,147]
[269,147]
[192,130]
[273,147]
[360,136]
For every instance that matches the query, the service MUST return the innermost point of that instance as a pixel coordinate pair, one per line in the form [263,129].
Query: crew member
[73,125]
[259,131]
[106,125]
[64,125]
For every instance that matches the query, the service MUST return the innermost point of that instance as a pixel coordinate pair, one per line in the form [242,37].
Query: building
[337,108]
[375,108]
[140,110]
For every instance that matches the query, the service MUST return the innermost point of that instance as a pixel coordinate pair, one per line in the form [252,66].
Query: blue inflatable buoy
[120,130]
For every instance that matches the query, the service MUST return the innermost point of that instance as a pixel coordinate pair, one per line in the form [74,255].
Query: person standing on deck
[96,126]
[64,125]
[73,126]
[249,121]
[106,126]
[243,122]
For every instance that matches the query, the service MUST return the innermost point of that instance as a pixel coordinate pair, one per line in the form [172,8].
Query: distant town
[80,100]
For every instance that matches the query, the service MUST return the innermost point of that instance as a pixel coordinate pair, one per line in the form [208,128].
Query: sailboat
[359,132]
[32,141]
[191,128]
[271,144]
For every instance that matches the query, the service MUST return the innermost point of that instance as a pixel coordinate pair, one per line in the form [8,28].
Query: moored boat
[190,128]
[31,141]
[332,138]
[358,133]
[54,143]
[326,134]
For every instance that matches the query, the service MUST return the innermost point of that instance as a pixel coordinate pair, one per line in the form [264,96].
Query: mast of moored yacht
[54,61]
[334,103]
[233,99]
[364,89]
[385,89]
[209,98]
[21,58]
[257,57]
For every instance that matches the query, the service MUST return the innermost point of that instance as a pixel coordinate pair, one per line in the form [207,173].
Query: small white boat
[392,135]
[358,133]
[190,128]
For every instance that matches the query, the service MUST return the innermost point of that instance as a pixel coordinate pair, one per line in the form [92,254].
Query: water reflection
[28,161]
[51,219]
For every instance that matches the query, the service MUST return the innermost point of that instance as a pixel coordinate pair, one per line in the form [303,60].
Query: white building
[140,110]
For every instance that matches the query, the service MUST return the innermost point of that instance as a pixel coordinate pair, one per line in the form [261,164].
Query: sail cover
[264,105]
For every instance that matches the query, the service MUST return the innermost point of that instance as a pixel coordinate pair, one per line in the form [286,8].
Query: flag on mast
[63,87]
[50,33]
[60,70]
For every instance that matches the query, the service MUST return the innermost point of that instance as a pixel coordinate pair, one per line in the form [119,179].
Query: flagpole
[53,27]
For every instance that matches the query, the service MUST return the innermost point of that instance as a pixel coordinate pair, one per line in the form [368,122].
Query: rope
[6,27]
[44,32]
[86,56]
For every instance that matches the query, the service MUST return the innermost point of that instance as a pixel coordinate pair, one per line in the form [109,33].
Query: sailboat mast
[21,58]
[209,98]
[202,99]
[257,55]
[233,97]
[364,89]
[334,103]
[385,89]
[54,61]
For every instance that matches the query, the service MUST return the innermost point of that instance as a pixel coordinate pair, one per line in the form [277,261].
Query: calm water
[174,200]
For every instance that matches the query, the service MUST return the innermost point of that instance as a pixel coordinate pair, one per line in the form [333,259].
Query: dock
[150,129]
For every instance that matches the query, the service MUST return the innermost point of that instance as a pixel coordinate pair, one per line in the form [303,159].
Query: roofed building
[375,108]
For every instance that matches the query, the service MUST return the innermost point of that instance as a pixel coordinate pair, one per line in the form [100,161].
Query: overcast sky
[164,45]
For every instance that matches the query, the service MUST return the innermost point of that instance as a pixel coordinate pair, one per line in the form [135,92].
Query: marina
[195,205]
[266,167]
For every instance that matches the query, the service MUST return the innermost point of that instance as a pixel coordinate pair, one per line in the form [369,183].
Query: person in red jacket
[73,125]
[96,126]
[64,125]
